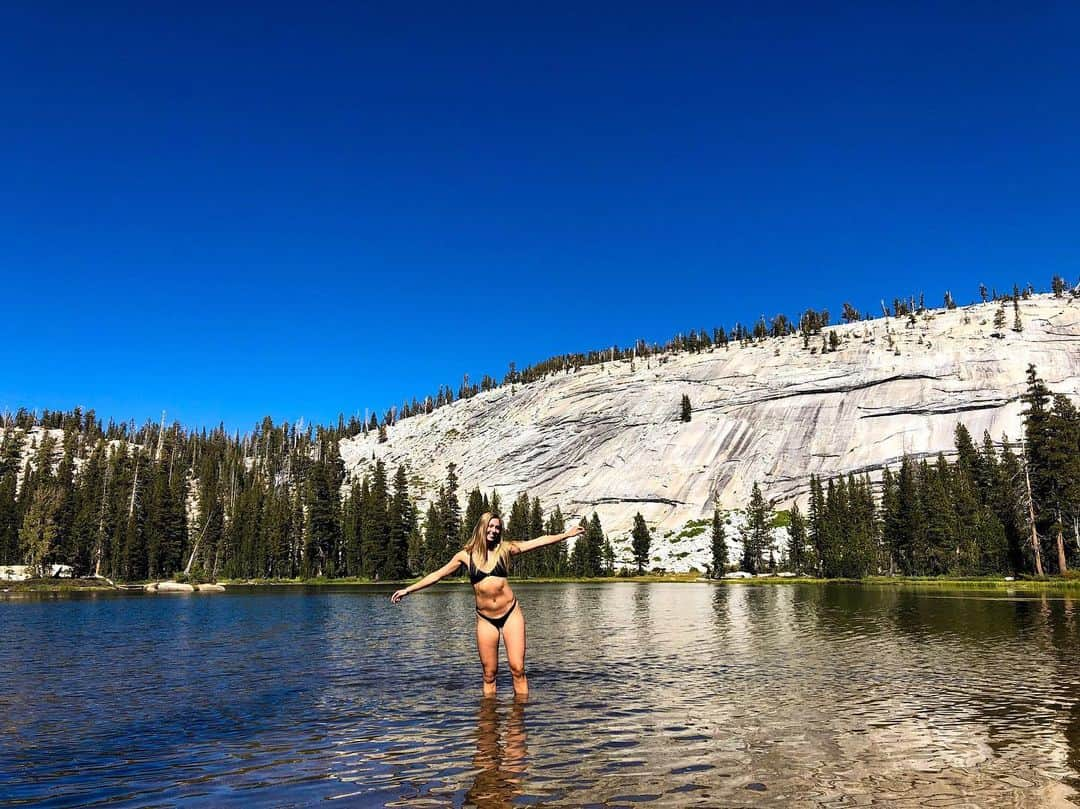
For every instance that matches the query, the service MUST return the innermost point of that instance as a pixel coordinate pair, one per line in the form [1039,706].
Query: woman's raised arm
[539,542]
[459,559]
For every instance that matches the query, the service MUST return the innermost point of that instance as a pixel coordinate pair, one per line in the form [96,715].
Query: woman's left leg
[514,640]
[487,643]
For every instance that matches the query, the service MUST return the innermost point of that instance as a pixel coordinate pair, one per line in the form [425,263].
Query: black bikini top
[476,574]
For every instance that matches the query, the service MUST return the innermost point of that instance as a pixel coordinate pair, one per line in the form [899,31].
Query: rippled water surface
[643,694]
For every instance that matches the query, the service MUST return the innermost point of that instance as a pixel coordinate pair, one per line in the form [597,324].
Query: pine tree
[295,533]
[556,524]
[536,519]
[940,545]
[685,409]
[401,517]
[165,525]
[474,511]
[278,529]
[967,510]
[450,511]
[1063,488]
[1039,451]
[65,551]
[641,540]
[40,531]
[9,521]
[323,518]
[133,555]
[1006,502]
[756,538]
[908,544]
[835,528]
[608,554]
[517,530]
[10,517]
[579,556]
[434,550]
[547,558]
[376,531]
[797,540]
[816,523]
[245,532]
[352,529]
[586,559]
[868,551]
[890,528]
[718,546]
[985,471]
[999,322]
[594,544]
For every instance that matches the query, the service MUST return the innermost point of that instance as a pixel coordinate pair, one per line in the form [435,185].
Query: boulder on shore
[174,587]
[211,588]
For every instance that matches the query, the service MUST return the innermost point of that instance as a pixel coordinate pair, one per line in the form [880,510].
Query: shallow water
[643,694]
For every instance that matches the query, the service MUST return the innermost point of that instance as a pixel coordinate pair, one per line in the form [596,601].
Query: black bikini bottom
[498,622]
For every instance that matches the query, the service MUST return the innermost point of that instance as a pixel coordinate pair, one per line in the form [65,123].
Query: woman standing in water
[487,558]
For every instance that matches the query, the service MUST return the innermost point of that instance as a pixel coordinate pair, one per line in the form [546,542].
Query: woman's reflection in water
[501,754]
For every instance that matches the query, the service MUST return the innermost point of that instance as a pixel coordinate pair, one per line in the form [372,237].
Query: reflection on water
[666,695]
[501,754]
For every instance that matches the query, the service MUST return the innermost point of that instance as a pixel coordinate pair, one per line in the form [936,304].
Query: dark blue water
[670,695]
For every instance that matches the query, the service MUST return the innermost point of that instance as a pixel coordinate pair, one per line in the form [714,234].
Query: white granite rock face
[609,439]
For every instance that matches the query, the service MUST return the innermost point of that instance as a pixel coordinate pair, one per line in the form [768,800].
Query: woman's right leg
[487,643]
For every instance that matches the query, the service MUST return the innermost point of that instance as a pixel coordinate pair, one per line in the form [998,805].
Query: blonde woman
[487,558]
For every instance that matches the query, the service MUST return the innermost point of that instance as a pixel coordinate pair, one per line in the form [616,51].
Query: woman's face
[494,530]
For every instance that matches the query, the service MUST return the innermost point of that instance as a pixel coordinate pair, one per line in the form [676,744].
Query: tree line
[153,502]
[1008,508]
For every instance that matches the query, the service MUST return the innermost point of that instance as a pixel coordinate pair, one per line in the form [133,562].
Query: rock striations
[609,438]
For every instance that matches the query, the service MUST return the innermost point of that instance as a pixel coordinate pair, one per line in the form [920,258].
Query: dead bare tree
[161,438]
[195,549]
[1035,546]
[134,486]
[99,550]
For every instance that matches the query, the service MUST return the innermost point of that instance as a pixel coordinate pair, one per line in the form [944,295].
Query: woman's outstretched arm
[459,559]
[539,542]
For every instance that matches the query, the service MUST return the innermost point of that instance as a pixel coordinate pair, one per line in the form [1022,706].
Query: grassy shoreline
[57,586]
[1046,584]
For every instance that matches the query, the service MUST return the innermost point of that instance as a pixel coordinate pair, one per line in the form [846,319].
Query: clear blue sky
[234,210]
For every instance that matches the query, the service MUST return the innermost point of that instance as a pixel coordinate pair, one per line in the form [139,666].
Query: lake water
[643,695]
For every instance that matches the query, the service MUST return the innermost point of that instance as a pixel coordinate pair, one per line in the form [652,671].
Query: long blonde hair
[477,546]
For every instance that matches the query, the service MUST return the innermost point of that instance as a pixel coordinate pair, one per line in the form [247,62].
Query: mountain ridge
[608,437]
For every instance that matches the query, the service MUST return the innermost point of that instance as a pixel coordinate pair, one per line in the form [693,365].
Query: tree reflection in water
[501,754]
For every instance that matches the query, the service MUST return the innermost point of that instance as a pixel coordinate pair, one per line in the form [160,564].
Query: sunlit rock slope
[609,438]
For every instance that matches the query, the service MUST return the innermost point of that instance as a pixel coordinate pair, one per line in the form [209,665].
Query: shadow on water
[501,754]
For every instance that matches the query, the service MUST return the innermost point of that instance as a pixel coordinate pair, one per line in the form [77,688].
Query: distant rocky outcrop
[609,438]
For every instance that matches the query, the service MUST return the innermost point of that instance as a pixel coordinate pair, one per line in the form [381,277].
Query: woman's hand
[398,595]
[576,531]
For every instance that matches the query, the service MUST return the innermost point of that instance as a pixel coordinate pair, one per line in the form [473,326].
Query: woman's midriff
[493,598]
